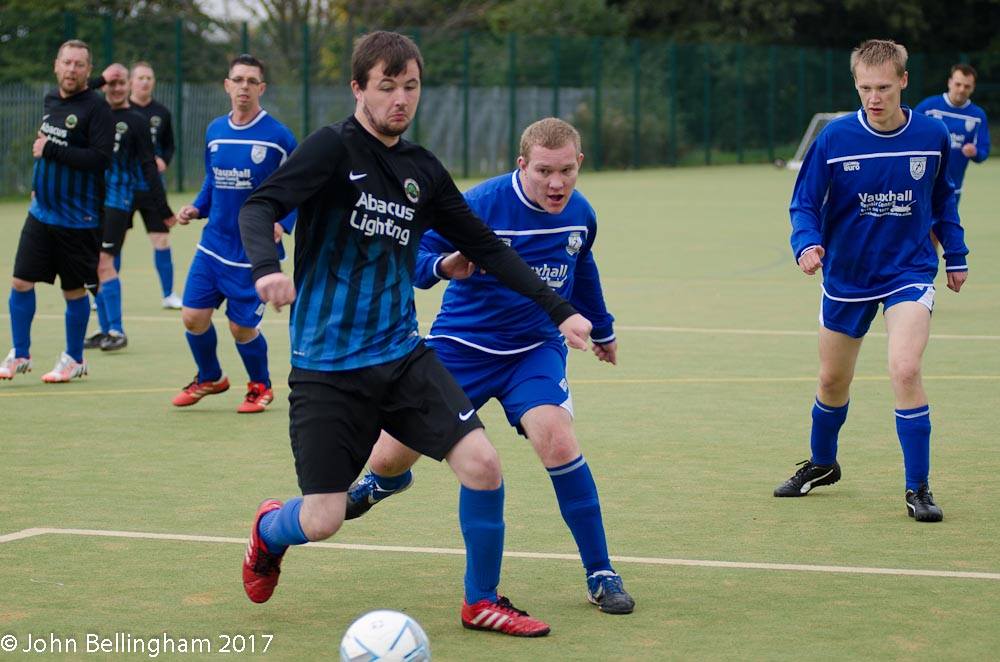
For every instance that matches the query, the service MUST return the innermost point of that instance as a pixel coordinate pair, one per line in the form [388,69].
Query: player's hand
[278,231]
[956,279]
[607,352]
[171,221]
[456,267]
[161,165]
[812,260]
[39,145]
[276,289]
[969,150]
[187,214]
[113,72]
[576,329]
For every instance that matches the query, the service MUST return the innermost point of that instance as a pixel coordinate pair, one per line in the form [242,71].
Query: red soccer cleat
[260,567]
[196,390]
[501,616]
[257,398]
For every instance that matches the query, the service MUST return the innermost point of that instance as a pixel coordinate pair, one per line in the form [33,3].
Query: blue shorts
[519,381]
[210,282]
[854,318]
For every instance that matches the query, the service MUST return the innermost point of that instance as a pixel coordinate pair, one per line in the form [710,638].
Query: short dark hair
[75,43]
[964,68]
[392,49]
[248,60]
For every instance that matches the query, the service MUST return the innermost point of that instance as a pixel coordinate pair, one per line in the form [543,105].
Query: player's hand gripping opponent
[576,330]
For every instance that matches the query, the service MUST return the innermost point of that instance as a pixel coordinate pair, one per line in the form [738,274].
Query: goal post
[816,124]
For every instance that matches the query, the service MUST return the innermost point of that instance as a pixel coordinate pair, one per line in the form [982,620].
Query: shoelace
[254,393]
[923,496]
[806,466]
[267,563]
[612,584]
[504,603]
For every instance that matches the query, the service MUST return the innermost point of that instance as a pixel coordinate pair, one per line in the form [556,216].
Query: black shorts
[145,203]
[46,251]
[116,224]
[335,417]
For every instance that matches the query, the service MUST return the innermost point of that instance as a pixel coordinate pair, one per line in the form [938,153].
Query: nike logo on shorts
[356,177]
[467,415]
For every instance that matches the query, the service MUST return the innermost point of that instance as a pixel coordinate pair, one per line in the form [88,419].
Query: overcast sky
[227,9]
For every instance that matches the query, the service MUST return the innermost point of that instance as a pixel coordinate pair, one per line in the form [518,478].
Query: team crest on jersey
[156,120]
[970,125]
[71,121]
[506,240]
[121,127]
[918,166]
[258,153]
[412,190]
[574,243]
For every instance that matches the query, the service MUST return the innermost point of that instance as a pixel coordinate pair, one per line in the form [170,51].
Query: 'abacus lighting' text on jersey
[482,313]
[132,162]
[68,181]
[237,159]
[871,198]
[362,210]
[967,125]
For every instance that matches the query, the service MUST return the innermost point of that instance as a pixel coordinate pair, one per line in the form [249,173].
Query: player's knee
[905,372]
[20,285]
[242,334]
[106,268]
[833,381]
[559,447]
[391,458]
[476,462]
[195,321]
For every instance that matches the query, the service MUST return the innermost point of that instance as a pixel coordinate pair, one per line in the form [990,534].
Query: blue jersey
[481,312]
[967,125]
[238,158]
[132,161]
[871,198]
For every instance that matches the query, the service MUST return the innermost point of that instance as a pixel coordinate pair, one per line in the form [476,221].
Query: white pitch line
[655,329]
[735,565]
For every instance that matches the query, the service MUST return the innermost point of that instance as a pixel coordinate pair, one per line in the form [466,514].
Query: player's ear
[521,163]
[904,80]
[263,86]
[579,160]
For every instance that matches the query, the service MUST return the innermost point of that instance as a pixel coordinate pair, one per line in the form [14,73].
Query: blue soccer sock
[102,312]
[914,429]
[281,528]
[389,483]
[581,509]
[111,295]
[164,261]
[480,514]
[118,262]
[203,348]
[77,316]
[827,422]
[254,355]
[22,312]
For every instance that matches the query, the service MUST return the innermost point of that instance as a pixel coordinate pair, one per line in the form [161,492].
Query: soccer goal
[816,124]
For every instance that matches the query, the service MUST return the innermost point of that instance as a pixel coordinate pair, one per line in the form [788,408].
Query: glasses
[239,80]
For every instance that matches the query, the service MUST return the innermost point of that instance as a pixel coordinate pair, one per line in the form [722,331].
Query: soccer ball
[387,636]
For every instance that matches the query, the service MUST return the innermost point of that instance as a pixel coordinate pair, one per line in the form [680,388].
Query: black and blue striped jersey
[68,181]
[161,130]
[363,207]
[132,162]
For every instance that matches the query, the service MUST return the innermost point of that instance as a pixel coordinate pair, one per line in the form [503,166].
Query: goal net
[816,124]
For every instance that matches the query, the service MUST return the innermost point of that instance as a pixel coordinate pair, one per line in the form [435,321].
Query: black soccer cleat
[921,507]
[94,341]
[809,476]
[114,341]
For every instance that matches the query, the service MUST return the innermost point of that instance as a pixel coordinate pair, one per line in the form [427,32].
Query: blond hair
[876,52]
[550,133]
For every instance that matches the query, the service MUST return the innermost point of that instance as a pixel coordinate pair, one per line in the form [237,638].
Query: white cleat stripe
[806,486]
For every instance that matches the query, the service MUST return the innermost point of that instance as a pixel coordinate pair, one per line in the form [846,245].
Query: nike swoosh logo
[467,415]
[105,244]
[356,177]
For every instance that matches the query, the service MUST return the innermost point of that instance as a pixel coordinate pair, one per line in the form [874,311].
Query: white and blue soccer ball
[387,636]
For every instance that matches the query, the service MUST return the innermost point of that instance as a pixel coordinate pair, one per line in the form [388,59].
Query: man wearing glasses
[241,150]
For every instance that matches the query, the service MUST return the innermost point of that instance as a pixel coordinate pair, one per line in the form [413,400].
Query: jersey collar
[241,127]
[863,119]
[521,195]
[951,105]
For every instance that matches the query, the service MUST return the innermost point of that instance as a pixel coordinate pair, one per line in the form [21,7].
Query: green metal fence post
[466,76]
[828,61]
[179,101]
[512,92]
[672,101]
[69,25]
[740,102]
[636,100]
[245,38]
[800,109]
[598,45]
[305,80]
[108,37]
[706,110]
[416,117]
[555,75]
[772,64]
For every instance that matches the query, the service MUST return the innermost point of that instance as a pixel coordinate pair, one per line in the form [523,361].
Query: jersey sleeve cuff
[261,270]
[798,256]
[434,268]
[955,263]
[602,335]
